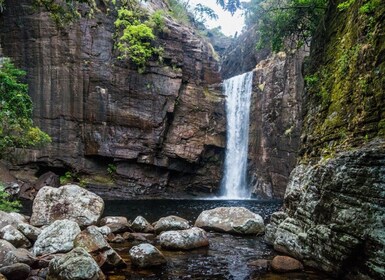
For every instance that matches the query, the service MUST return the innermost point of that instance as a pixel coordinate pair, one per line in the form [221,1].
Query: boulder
[57,237]
[67,202]
[15,271]
[237,220]
[146,255]
[7,255]
[113,220]
[285,264]
[118,227]
[9,219]
[171,223]
[184,239]
[47,179]
[105,230]
[94,243]
[15,237]
[10,255]
[140,224]
[75,265]
[29,231]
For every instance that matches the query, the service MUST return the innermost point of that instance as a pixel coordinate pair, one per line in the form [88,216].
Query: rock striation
[162,130]
[334,202]
[275,122]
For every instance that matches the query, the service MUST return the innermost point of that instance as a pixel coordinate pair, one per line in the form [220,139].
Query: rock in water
[56,238]
[67,202]
[231,220]
[285,264]
[140,224]
[12,235]
[184,239]
[171,223]
[75,265]
[94,243]
[145,255]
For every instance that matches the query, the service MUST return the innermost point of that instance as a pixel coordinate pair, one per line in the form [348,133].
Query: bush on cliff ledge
[16,125]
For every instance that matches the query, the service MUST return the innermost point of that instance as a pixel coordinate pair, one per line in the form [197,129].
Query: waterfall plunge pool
[229,257]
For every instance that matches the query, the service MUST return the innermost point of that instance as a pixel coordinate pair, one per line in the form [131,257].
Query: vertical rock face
[334,202]
[163,128]
[275,123]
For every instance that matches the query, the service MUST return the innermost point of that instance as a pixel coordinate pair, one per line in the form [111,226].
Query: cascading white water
[238,91]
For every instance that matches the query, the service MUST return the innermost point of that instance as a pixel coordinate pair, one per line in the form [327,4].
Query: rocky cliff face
[275,123]
[162,130]
[334,215]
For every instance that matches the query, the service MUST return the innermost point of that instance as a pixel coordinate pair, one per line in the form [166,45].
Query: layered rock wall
[275,123]
[334,215]
[162,130]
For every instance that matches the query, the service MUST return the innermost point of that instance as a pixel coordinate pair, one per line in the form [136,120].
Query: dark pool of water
[152,210]
[227,257]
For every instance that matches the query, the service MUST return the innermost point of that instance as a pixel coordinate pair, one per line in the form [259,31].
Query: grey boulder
[146,255]
[238,220]
[184,239]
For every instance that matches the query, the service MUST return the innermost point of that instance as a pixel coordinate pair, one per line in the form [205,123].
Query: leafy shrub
[6,204]
[16,125]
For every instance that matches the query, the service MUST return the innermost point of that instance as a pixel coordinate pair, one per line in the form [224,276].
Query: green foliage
[202,11]
[6,204]
[111,169]
[66,11]
[179,11]
[285,24]
[136,39]
[230,5]
[17,129]
[345,5]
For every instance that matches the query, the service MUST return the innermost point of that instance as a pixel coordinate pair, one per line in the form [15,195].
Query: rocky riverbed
[67,237]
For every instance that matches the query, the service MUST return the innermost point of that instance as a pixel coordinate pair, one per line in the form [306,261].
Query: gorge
[313,135]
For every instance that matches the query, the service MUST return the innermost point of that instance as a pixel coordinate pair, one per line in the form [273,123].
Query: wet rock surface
[237,220]
[67,202]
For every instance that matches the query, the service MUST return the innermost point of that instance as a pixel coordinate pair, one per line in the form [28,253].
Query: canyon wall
[334,216]
[158,132]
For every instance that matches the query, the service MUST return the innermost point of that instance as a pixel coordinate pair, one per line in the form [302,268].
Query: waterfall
[238,91]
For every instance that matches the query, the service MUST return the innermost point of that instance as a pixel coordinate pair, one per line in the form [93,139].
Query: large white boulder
[67,202]
[237,220]
[184,239]
[56,238]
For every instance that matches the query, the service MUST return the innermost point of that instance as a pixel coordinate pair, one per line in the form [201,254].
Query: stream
[227,257]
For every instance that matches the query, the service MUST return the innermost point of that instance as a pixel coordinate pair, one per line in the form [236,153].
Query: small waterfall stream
[238,91]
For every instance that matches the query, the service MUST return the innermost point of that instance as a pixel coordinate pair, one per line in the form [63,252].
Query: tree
[289,23]
[16,125]
[230,5]
[202,11]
